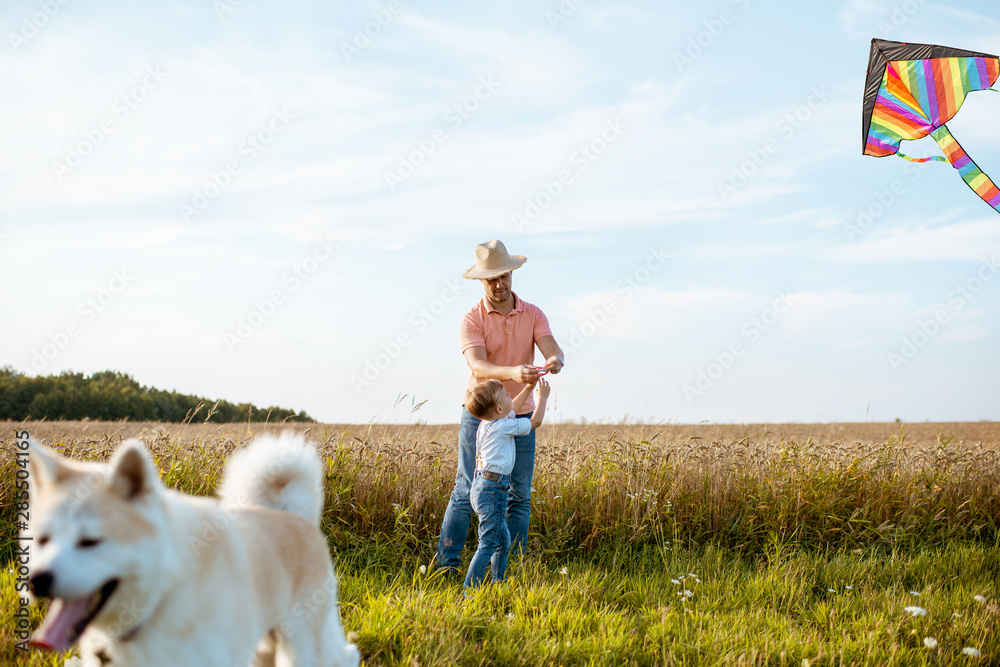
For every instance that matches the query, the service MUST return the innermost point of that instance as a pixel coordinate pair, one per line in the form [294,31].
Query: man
[498,338]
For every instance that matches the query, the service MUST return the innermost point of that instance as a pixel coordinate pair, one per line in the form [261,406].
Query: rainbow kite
[912,90]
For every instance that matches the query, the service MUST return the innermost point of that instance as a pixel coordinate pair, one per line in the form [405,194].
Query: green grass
[779,609]
[773,610]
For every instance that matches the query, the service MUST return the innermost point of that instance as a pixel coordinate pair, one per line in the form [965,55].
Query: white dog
[145,576]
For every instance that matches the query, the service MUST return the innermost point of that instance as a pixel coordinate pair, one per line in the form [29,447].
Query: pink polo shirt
[509,339]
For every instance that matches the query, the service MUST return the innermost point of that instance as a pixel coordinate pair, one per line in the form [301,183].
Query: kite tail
[932,158]
[971,174]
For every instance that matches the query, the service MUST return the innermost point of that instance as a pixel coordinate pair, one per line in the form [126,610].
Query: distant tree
[112,395]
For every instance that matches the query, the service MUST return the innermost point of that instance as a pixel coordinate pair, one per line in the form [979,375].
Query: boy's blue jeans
[489,500]
[457,517]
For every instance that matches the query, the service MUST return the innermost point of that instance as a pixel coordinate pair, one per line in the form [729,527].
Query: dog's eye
[43,540]
[88,542]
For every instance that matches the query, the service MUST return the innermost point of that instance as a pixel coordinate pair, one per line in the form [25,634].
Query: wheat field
[808,541]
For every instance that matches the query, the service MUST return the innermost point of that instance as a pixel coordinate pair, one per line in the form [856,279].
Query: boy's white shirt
[495,442]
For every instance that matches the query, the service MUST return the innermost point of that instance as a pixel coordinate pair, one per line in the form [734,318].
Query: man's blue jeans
[457,517]
[489,500]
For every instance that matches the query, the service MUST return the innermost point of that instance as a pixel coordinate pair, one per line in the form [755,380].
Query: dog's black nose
[41,584]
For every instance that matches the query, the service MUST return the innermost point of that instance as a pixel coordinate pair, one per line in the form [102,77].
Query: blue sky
[275,204]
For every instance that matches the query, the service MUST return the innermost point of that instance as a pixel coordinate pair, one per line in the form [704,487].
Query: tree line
[110,395]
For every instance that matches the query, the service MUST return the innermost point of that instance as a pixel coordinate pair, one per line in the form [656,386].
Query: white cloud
[649,313]
[842,316]
[961,240]
[911,20]
[857,16]
[968,334]
[484,51]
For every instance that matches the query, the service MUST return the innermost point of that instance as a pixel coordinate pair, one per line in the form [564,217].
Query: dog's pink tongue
[57,632]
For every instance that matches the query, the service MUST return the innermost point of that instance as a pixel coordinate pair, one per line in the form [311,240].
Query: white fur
[200,582]
[283,473]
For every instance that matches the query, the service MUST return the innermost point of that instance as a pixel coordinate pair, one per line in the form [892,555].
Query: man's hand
[554,364]
[525,374]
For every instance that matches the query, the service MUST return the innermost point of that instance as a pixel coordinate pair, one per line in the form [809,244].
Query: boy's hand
[542,391]
[542,388]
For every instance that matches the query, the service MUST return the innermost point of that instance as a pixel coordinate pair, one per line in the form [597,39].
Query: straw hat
[492,260]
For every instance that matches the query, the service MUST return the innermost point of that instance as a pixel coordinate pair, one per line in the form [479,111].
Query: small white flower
[423,569]
[510,616]
[979,598]
[915,611]
[688,593]
[956,615]
[930,642]
[970,651]
[675,581]
[692,575]
[830,590]
[915,593]
[850,588]
[564,570]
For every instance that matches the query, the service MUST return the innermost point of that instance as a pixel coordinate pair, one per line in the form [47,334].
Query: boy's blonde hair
[483,398]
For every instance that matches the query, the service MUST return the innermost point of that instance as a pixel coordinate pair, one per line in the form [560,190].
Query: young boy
[491,403]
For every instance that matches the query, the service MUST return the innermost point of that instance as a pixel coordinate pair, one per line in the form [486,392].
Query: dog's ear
[45,467]
[133,474]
